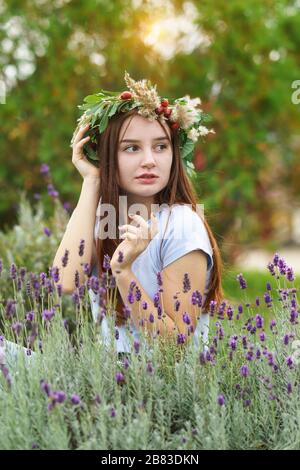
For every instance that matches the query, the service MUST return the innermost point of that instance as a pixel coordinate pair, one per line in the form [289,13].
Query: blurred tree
[243,70]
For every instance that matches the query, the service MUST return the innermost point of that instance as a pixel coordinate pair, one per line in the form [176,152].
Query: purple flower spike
[44,169]
[180,338]
[120,257]
[186,318]
[65,258]
[186,283]
[120,379]
[244,371]
[242,281]
[47,231]
[221,400]
[75,399]
[81,247]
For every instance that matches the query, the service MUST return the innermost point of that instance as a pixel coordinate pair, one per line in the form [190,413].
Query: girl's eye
[159,145]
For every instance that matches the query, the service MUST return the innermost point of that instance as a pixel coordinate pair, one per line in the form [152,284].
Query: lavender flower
[75,399]
[52,191]
[106,262]
[159,279]
[286,338]
[120,379]
[293,315]
[290,274]
[54,273]
[259,321]
[276,259]
[268,299]
[10,308]
[127,311]
[138,294]
[181,338]
[29,316]
[271,268]
[13,271]
[126,363]
[151,318]
[17,327]
[196,298]
[44,169]
[262,336]
[221,400]
[47,231]
[65,258]
[136,345]
[45,387]
[120,257]
[186,283]
[242,281]
[81,247]
[60,396]
[186,318]
[130,297]
[244,371]
[149,368]
[47,315]
[289,362]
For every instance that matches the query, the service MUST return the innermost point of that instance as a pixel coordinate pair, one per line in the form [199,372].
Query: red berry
[167,111]
[175,125]
[126,95]
[159,110]
[164,103]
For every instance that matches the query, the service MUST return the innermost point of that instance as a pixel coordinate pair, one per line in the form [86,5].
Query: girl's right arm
[82,222]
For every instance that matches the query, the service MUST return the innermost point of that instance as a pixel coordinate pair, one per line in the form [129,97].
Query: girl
[169,260]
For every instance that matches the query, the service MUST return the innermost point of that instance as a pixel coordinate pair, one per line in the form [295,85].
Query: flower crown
[183,115]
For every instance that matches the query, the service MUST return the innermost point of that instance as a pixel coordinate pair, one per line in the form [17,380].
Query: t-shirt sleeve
[185,232]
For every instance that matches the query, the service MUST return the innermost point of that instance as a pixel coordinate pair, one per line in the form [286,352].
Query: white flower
[186,112]
[204,131]
[193,134]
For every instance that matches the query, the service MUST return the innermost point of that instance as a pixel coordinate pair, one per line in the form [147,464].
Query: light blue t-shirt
[185,232]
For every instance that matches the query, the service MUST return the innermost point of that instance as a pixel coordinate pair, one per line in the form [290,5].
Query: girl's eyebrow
[138,141]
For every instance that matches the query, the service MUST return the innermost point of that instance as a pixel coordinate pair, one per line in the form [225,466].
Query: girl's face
[144,149]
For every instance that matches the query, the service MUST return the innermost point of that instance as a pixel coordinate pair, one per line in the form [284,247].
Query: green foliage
[252,59]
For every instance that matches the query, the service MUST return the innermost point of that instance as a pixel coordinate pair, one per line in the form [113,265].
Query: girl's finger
[80,133]
[129,236]
[83,141]
[129,228]
[139,219]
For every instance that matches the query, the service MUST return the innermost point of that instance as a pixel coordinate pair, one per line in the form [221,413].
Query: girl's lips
[148,180]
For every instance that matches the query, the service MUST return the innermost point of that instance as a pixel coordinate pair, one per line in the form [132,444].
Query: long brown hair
[178,191]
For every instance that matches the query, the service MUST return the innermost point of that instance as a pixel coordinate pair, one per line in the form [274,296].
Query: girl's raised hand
[85,168]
